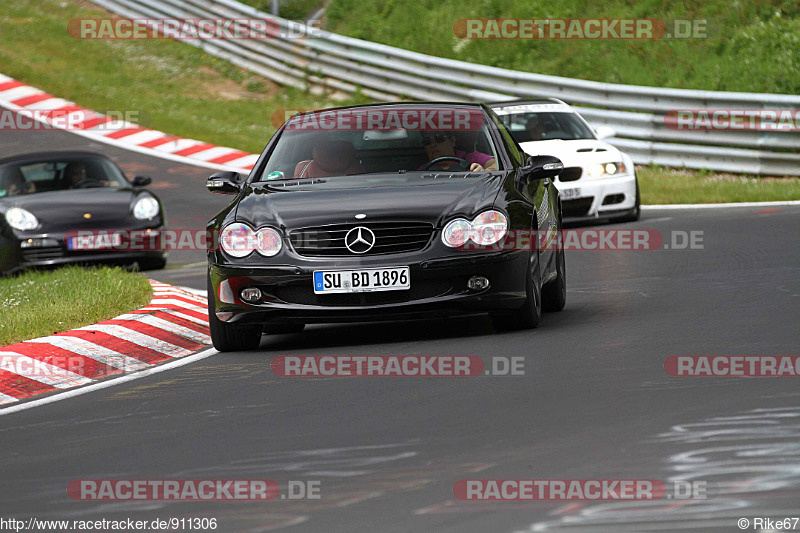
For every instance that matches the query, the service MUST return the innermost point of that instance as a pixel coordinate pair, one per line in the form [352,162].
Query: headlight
[484,230]
[21,219]
[599,170]
[488,228]
[268,242]
[239,240]
[456,233]
[146,207]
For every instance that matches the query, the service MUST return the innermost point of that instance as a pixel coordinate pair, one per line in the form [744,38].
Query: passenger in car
[330,158]
[443,144]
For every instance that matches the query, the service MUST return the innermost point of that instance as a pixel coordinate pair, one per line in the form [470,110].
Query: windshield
[58,175]
[543,126]
[357,141]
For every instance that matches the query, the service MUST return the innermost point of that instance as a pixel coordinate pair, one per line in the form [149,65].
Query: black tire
[283,329]
[230,337]
[529,315]
[634,215]
[554,293]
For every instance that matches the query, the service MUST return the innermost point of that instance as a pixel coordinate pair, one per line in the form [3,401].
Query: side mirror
[141,181]
[604,132]
[540,167]
[224,183]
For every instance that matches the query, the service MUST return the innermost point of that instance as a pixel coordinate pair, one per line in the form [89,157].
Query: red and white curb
[172,326]
[43,107]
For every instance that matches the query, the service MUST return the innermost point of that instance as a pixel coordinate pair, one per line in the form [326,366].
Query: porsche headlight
[239,240]
[485,229]
[598,170]
[21,219]
[488,228]
[456,233]
[145,208]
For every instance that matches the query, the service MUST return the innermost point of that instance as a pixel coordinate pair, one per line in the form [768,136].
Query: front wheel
[529,315]
[230,337]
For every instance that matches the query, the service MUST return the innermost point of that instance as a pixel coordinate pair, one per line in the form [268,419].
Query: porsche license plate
[98,241]
[364,280]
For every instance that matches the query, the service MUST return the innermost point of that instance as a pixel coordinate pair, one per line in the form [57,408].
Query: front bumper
[438,288]
[599,198]
[51,251]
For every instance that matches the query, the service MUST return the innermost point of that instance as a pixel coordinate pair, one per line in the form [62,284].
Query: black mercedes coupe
[383,212]
[76,207]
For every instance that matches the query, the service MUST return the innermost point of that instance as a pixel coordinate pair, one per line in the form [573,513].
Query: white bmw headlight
[21,219]
[146,207]
[598,170]
[239,240]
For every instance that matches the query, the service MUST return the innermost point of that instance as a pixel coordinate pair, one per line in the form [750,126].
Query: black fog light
[251,294]
[478,283]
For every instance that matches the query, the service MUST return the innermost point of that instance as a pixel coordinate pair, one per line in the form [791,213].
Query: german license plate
[99,241]
[363,280]
[569,194]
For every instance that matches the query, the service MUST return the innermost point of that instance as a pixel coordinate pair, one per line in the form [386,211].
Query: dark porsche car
[75,207]
[385,211]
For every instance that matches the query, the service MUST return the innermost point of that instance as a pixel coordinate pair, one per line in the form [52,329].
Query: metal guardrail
[331,63]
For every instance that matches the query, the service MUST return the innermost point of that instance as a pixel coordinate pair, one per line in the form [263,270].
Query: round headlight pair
[240,240]
[484,230]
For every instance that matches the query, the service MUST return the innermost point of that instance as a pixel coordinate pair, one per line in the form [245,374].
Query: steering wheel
[86,184]
[463,164]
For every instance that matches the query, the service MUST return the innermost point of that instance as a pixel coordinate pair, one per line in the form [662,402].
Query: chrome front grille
[390,238]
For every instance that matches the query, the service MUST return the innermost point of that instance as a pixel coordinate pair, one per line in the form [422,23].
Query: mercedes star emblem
[359,240]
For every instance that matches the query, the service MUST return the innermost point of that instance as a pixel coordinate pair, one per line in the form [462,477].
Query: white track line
[714,206]
[109,383]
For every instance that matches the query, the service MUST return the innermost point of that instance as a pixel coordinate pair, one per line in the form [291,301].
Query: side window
[514,150]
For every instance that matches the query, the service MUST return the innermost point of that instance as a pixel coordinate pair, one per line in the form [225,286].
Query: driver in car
[443,144]
[75,175]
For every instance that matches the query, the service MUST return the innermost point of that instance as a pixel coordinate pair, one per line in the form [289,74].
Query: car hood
[412,196]
[576,153]
[61,210]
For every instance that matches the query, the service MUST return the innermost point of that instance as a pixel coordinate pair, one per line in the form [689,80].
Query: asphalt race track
[594,402]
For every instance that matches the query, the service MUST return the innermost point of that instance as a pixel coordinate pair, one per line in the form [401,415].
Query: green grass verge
[753,44]
[187,92]
[661,185]
[176,87]
[39,303]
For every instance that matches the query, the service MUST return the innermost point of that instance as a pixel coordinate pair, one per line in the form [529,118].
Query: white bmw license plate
[569,194]
[364,280]
[99,241]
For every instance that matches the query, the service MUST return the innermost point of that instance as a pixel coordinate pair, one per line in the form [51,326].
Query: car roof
[462,105]
[52,155]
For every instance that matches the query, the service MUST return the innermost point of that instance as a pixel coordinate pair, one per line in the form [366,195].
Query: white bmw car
[598,181]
